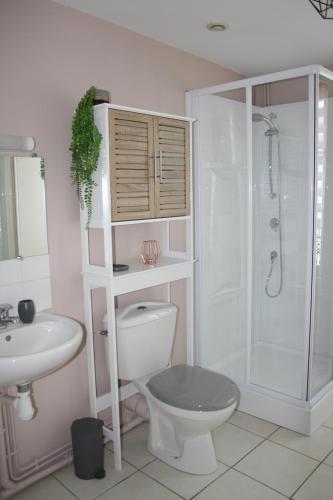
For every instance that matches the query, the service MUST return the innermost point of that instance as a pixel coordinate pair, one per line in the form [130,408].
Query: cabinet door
[132,165]
[172,167]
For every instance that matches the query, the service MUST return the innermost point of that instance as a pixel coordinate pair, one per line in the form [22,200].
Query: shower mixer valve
[274,255]
[274,224]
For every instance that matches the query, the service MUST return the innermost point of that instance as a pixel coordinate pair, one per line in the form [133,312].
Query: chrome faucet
[5,319]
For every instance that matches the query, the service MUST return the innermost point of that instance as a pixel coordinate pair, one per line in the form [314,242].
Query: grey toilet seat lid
[193,388]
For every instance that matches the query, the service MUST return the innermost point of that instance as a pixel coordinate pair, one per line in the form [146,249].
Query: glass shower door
[321,358]
[222,240]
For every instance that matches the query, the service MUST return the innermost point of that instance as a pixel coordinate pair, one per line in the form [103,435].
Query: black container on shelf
[26,310]
[88,453]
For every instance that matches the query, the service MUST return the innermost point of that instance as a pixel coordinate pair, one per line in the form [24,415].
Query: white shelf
[99,225]
[140,276]
[146,221]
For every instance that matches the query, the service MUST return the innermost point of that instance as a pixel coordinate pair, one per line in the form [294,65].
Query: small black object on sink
[26,310]
[120,267]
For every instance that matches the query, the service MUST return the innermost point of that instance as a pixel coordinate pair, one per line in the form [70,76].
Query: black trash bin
[88,453]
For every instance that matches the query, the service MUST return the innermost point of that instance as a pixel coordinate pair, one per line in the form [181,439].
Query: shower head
[258,117]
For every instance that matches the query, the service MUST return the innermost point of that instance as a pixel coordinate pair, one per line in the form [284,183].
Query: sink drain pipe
[22,402]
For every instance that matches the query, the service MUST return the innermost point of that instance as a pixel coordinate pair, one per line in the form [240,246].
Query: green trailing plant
[85,146]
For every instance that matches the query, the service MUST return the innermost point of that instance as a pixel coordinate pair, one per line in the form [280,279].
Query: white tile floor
[257,461]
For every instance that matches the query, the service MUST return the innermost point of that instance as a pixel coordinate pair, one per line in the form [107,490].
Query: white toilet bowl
[185,403]
[180,437]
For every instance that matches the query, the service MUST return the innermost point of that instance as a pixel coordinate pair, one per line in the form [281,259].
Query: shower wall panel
[280,321]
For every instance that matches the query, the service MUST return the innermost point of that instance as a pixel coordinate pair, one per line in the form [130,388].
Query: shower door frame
[313,73]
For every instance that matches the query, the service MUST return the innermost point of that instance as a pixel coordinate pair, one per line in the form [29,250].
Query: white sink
[30,351]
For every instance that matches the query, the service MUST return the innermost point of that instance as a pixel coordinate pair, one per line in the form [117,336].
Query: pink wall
[49,56]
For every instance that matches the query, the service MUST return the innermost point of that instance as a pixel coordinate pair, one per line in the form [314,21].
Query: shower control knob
[274,224]
[274,255]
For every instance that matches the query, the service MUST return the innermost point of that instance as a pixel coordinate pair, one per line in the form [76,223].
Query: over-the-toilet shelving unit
[172,266]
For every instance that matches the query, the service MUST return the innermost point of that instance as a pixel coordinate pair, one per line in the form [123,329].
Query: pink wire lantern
[150,252]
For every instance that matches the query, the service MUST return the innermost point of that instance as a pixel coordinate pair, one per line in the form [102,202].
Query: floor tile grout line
[225,465]
[148,463]
[263,439]
[292,449]
[107,489]
[234,465]
[161,484]
[271,434]
[248,453]
[260,482]
[325,463]
[251,477]
[299,452]
[320,463]
[326,456]
[228,467]
[114,485]
[133,465]
[305,480]
[123,459]
[65,487]
[254,417]
[252,432]
[213,481]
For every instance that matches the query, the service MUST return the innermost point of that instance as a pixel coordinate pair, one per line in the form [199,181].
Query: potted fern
[85,147]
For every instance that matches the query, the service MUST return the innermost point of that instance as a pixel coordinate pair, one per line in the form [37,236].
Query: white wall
[26,279]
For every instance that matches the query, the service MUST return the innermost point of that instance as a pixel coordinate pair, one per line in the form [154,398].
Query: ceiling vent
[216,27]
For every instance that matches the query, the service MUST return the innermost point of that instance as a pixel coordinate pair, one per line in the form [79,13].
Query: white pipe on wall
[16,143]
[138,405]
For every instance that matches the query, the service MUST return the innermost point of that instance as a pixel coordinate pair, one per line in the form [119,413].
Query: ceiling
[263,35]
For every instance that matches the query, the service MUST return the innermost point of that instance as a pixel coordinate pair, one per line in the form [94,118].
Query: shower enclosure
[264,239]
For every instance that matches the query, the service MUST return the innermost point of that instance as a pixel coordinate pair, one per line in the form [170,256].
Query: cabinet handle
[104,333]
[155,166]
[161,167]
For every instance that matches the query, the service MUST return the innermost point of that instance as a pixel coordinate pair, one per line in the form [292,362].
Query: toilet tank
[145,334]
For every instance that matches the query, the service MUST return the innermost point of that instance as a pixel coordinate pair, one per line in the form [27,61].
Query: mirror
[23,231]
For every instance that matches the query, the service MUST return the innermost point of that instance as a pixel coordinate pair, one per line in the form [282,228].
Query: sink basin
[31,351]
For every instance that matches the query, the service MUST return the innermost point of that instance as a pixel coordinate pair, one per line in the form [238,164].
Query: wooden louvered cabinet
[132,165]
[172,167]
[150,166]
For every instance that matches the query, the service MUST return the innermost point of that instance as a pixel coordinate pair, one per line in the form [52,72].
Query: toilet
[185,402]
